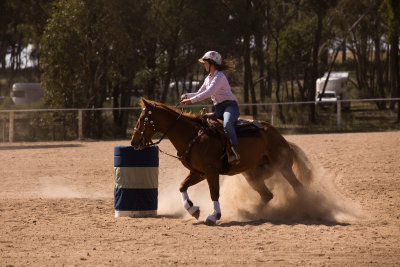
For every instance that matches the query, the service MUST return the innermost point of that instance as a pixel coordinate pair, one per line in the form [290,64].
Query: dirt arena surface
[56,209]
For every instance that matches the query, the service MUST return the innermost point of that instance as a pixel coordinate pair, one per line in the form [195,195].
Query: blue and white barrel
[136,181]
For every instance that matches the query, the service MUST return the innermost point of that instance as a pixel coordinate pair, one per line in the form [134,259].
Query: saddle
[243,128]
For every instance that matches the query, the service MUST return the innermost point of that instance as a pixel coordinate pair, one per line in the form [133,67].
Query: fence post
[80,125]
[11,128]
[338,114]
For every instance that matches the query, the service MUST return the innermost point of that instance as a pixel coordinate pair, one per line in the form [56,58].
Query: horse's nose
[136,142]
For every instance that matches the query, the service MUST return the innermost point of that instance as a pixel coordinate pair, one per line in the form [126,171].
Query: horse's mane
[188,115]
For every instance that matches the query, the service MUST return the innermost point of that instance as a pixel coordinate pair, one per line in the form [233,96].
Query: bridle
[149,121]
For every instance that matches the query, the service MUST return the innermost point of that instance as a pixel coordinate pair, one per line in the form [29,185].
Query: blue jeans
[229,112]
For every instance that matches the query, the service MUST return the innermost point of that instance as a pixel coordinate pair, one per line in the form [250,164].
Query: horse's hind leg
[287,172]
[255,177]
[191,179]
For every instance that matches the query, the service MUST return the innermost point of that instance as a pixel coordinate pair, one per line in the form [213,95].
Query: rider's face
[206,66]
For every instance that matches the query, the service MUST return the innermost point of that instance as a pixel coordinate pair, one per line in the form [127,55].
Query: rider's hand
[185,101]
[184,96]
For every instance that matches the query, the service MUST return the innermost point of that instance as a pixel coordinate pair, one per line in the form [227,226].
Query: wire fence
[290,117]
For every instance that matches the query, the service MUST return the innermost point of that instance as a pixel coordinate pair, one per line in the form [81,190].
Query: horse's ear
[143,102]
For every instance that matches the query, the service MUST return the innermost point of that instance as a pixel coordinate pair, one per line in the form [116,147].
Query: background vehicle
[328,98]
[185,86]
[338,84]
[26,93]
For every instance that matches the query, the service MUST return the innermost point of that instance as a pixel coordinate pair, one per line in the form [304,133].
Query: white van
[26,93]
[337,83]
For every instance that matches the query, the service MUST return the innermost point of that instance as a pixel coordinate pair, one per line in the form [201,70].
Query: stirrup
[233,156]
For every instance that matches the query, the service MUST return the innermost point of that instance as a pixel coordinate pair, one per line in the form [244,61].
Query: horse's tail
[303,167]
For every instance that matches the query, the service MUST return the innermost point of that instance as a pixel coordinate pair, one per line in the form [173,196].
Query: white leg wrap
[216,206]
[216,215]
[185,196]
[186,204]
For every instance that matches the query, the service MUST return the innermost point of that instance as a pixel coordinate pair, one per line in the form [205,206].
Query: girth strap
[185,157]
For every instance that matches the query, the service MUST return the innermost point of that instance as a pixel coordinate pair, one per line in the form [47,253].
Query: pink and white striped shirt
[217,87]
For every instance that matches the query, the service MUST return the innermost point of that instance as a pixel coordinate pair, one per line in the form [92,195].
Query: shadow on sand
[277,222]
[282,222]
[16,147]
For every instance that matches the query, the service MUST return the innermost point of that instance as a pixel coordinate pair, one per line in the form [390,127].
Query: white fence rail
[270,115]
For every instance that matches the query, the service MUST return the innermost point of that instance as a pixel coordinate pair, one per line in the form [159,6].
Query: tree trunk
[277,70]
[151,64]
[314,70]
[171,66]
[261,65]
[246,91]
[379,73]
[249,73]
[168,75]
[278,81]
[344,50]
[394,67]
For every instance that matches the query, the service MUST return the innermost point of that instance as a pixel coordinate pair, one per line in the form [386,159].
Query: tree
[89,50]
[390,10]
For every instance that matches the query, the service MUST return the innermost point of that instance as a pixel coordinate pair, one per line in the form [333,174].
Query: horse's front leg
[213,184]
[191,179]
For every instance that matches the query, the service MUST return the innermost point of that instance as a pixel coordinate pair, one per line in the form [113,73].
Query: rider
[217,87]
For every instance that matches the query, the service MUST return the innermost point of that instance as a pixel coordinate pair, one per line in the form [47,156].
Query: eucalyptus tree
[89,50]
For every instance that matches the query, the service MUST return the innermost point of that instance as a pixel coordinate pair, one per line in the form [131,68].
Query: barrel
[135,181]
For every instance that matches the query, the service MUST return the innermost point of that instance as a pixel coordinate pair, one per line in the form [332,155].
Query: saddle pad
[244,123]
[250,130]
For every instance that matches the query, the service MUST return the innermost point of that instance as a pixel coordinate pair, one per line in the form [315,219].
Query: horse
[201,151]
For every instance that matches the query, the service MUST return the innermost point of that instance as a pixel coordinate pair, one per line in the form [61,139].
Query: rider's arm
[202,88]
[215,85]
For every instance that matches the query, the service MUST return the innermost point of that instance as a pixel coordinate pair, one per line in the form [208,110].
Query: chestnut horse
[201,152]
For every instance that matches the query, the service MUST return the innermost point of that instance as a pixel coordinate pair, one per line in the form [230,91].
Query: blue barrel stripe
[126,156]
[135,199]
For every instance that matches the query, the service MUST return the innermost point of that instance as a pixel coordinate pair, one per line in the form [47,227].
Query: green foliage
[7,103]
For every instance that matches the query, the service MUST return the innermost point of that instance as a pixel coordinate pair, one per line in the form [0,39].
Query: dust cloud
[320,200]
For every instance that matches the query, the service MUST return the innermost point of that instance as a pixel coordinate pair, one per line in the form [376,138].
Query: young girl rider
[225,103]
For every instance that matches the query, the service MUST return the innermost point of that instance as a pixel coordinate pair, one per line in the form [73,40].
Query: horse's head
[145,127]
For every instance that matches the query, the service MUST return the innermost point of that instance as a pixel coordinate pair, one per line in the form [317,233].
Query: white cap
[213,55]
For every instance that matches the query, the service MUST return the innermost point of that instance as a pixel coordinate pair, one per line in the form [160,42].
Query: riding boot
[233,156]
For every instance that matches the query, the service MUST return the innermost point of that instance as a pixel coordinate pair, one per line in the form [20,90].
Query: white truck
[336,88]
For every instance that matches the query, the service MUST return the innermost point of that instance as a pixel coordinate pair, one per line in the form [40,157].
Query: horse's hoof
[210,222]
[196,214]
[212,219]
[194,211]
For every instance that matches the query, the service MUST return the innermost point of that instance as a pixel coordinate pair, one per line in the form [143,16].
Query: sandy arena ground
[56,208]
